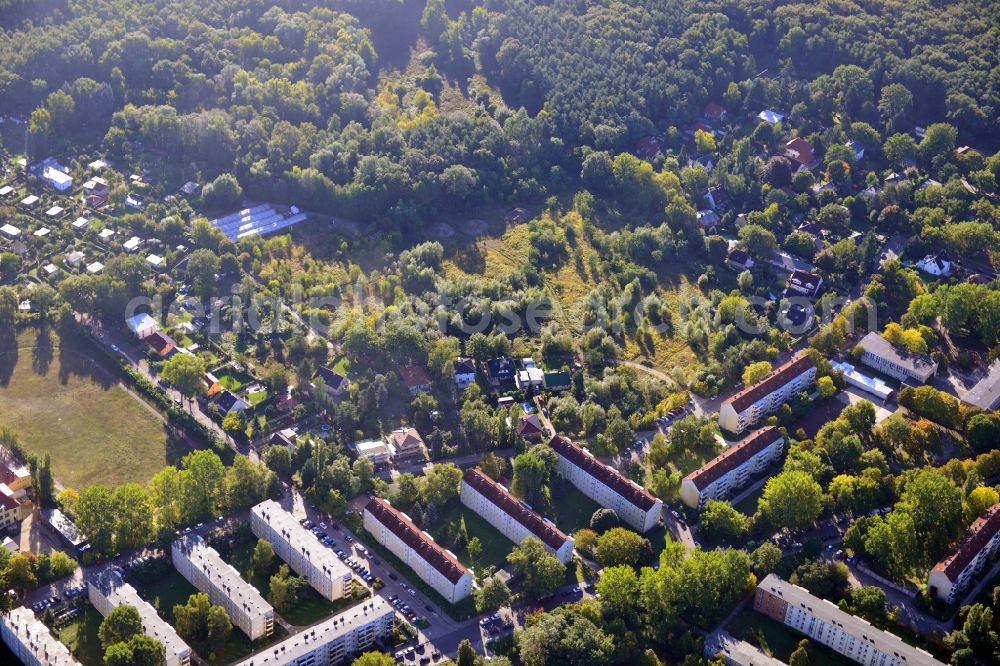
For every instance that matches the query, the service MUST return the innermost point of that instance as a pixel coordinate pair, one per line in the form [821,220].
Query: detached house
[334,384]
[529,427]
[465,372]
[408,444]
[714,111]
[935,264]
[500,372]
[230,402]
[416,379]
[800,152]
[739,260]
[805,284]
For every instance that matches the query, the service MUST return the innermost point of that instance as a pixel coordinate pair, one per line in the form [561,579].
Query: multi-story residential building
[952,575]
[633,503]
[736,652]
[202,566]
[879,353]
[407,445]
[108,591]
[719,477]
[826,624]
[301,550]
[12,510]
[749,406]
[510,516]
[332,641]
[31,641]
[436,566]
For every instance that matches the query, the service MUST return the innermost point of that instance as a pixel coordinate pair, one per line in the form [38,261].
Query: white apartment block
[108,591]
[31,641]
[204,568]
[719,477]
[510,516]
[436,566]
[902,364]
[332,641]
[301,550]
[953,574]
[826,624]
[634,504]
[753,403]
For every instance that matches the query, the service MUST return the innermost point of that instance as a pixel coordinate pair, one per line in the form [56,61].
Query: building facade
[753,403]
[31,641]
[202,566]
[510,516]
[433,564]
[827,625]
[953,574]
[879,353]
[633,503]
[108,591]
[722,475]
[736,652]
[301,550]
[332,641]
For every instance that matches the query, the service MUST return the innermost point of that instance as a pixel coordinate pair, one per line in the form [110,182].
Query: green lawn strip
[62,404]
[460,611]
[80,636]
[778,640]
[748,504]
[232,381]
[496,546]
[573,510]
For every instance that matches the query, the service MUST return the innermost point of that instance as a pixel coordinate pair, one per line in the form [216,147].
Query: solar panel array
[261,219]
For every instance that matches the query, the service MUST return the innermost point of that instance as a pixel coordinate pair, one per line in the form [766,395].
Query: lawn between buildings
[61,403]
[778,640]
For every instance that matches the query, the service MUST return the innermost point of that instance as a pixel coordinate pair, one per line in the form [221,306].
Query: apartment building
[901,364]
[202,566]
[108,591]
[301,550]
[953,574]
[510,516]
[633,503]
[824,623]
[31,641]
[722,475]
[753,403]
[332,641]
[433,564]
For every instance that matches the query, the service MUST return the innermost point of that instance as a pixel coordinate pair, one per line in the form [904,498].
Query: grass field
[80,636]
[573,510]
[495,545]
[779,641]
[61,404]
[166,593]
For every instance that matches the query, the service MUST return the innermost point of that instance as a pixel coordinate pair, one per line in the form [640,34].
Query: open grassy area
[573,510]
[495,545]
[233,381]
[62,404]
[80,636]
[748,504]
[779,641]
[166,593]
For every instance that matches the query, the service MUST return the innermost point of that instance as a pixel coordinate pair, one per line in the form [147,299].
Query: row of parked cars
[403,607]
[410,654]
[69,593]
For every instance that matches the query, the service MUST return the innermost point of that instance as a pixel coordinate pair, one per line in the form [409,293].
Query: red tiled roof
[648,147]
[160,342]
[977,536]
[8,502]
[799,150]
[733,457]
[781,376]
[714,110]
[698,125]
[414,376]
[413,537]
[529,426]
[513,507]
[631,491]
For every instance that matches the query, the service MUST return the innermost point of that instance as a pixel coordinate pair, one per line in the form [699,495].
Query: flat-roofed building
[31,641]
[301,550]
[510,516]
[826,624]
[952,575]
[108,591]
[986,393]
[433,564]
[731,470]
[204,568]
[633,503]
[904,365]
[749,406]
[332,641]
[736,652]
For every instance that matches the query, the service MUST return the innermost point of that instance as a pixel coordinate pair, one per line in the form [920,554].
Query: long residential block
[204,568]
[719,477]
[108,591]
[952,575]
[31,641]
[827,625]
[512,517]
[301,550]
[435,565]
[332,641]
[633,503]
[749,406]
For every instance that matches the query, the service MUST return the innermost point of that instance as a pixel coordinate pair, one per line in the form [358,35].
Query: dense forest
[320,102]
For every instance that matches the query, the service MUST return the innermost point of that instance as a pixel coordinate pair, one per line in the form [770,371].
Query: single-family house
[648,148]
[739,260]
[97,187]
[230,402]
[132,244]
[707,218]
[500,372]
[161,343]
[379,452]
[800,152]
[769,116]
[416,378]
[334,383]
[716,198]
[556,381]
[142,325]
[408,445]
[465,372]
[106,234]
[212,385]
[189,188]
[7,191]
[714,111]
[58,179]
[156,261]
[530,427]
[529,379]
[857,149]
[935,264]
[806,284]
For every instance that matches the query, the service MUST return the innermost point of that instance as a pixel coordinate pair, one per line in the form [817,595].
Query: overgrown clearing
[61,403]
